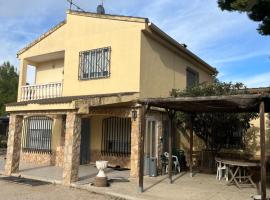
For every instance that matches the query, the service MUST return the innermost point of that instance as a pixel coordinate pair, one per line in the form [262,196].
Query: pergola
[259,103]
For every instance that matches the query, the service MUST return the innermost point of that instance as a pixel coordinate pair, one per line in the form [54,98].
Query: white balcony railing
[44,91]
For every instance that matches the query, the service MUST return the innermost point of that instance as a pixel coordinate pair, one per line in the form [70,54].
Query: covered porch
[63,142]
[259,103]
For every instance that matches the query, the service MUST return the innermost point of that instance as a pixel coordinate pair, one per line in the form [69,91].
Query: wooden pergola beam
[262,144]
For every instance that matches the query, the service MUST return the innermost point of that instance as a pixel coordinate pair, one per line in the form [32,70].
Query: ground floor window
[116,136]
[37,134]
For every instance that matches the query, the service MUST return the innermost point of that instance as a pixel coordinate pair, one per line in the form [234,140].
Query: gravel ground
[13,191]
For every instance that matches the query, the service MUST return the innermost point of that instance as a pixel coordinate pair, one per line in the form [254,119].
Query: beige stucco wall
[96,133]
[163,70]
[86,33]
[252,139]
[138,63]
[54,42]
[50,72]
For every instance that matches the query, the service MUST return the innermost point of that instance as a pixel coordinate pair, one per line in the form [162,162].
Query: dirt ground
[13,191]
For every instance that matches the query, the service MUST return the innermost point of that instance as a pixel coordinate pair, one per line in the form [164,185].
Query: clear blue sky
[227,41]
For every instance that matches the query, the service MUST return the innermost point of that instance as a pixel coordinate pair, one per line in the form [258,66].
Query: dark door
[85,141]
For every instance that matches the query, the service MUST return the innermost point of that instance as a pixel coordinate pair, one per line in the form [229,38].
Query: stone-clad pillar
[72,148]
[134,157]
[14,144]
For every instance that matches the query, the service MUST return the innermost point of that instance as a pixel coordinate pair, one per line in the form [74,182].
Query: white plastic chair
[175,162]
[220,169]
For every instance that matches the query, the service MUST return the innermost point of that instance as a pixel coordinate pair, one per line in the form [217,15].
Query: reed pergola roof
[228,104]
[259,103]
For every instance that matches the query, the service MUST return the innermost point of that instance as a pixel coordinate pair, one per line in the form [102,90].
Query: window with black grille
[37,134]
[233,140]
[95,63]
[116,136]
[192,77]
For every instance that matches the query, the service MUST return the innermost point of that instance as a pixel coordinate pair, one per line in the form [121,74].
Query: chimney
[100,9]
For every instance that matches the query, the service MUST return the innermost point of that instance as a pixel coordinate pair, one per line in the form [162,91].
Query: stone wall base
[122,161]
[55,158]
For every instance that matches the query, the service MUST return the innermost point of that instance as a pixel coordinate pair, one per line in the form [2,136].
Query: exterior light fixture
[134,114]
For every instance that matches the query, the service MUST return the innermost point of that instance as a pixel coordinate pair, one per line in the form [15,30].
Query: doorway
[85,142]
[150,147]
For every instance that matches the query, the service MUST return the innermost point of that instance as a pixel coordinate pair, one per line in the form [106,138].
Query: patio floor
[87,173]
[201,186]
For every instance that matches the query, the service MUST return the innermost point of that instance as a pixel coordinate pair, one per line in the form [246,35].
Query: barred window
[95,64]
[192,77]
[116,136]
[233,140]
[37,133]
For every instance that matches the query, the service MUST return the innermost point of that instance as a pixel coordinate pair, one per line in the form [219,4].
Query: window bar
[32,130]
[28,133]
[117,134]
[41,129]
[108,122]
[114,133]
[129,136]
[105,129]
[120,138]
[125,138]
[24,135]
[46,133]
[50,136]
[106,136]
[101,63]
[88,65]
[111,120]
[123,150]
[80,66]
[43,141]
[37,134]
[96,55]
[102,139]
[84,60]
[112,136]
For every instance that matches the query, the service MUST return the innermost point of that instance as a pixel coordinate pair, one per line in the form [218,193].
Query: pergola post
[191,147]
[170,151]
[262,143]
[141,145]
[171,114]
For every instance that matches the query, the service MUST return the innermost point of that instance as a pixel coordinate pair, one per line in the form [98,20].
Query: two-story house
[90,71]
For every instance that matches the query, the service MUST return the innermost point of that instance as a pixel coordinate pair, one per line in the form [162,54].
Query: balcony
[43,91]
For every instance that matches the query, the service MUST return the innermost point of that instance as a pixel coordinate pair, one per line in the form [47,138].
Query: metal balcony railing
[43,91]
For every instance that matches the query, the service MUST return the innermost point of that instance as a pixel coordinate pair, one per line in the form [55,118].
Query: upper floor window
[95,63]
[192,77]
